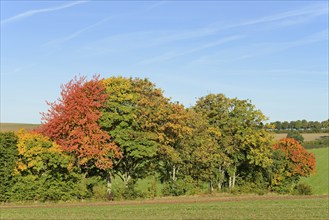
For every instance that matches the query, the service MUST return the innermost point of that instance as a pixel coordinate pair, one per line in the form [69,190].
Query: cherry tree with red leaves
[72,121]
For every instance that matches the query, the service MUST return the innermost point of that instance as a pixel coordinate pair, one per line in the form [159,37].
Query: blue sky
[274,53]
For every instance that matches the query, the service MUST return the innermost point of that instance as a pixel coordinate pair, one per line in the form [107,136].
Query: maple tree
[72,123]
[299,161]
[290,162]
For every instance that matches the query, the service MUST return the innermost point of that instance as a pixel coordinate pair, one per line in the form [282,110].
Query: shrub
[321,142]
[152,189]
[179,187]
[249,187]
[49,188]
[295,135]
[99,192]
[130,192]
[8,159]
[302,189]
[285,187]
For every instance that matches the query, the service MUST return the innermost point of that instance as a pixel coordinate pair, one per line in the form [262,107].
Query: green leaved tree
[132,116]
[244,139]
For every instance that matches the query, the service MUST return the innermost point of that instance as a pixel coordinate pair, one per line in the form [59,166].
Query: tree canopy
[101,129]
[72,122]
[244,139]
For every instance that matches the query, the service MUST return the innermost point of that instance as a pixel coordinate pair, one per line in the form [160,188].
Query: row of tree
[301,126]
[125,128]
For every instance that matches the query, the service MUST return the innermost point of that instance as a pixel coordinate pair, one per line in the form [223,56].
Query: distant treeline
[301,126]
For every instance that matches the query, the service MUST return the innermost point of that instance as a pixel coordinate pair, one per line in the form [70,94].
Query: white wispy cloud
[305,13]
[250,51]
[173,54]
[38,11]
[287,18]
[147,39]
[77,33]
[274,47]
[151,38]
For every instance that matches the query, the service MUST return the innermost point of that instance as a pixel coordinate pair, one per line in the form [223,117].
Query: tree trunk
[232,177]
[126,177]
[174,173]
[211,187]
[220,178]
[109,186]
[230,182]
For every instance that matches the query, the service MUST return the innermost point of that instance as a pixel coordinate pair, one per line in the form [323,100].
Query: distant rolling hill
[16,126]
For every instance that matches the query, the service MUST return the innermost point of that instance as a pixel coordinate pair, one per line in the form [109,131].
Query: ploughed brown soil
[164,200]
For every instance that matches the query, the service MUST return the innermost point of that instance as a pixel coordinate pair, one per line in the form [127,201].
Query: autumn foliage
[101,129]
[72,122]
[37,154]
[299,161]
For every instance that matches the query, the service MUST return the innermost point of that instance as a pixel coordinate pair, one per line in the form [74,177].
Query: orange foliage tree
[299,161]
[72,121]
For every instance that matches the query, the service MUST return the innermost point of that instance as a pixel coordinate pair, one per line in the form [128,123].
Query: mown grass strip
[252,208]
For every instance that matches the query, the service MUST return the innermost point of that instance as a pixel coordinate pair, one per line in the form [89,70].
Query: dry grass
[307,136]
[312,137]
[16,126]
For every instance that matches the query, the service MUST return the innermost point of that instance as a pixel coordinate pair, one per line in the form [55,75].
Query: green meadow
[320,180]
[254,207]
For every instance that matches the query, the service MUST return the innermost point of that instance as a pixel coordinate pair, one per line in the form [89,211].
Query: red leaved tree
[299,161]
[72,120]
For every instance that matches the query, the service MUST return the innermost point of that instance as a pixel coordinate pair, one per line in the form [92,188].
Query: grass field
[307,136]
[241,207]
[320,181]
[16,126]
